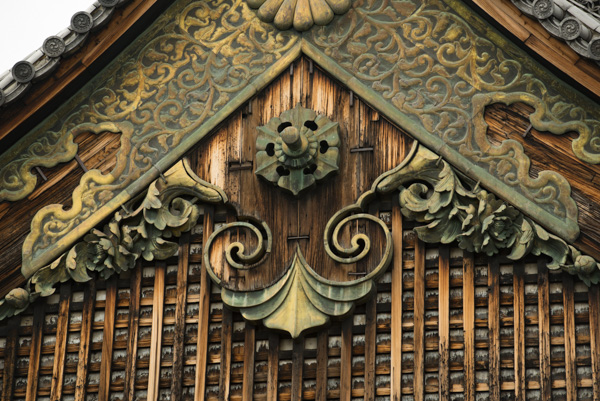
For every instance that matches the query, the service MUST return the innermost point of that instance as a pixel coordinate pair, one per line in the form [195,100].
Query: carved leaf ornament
[301,14]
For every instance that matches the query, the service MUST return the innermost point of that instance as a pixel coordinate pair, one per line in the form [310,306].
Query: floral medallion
[297,149]
[301,14]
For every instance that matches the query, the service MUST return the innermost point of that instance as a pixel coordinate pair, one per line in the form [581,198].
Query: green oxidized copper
[144,228]
[453,208]
[430,66]
[297,149]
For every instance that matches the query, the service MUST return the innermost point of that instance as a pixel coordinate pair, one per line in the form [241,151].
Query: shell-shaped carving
[301,14]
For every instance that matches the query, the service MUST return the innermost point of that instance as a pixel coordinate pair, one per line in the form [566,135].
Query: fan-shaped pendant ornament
[297,149]
[301,14]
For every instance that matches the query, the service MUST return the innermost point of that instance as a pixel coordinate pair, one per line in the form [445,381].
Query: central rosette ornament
[297,149]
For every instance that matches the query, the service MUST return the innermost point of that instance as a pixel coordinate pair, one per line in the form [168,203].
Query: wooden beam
[494,328]
[203,314]
[544,331]
[396,325]
[87,321]
[225,365]
[370,347]
[273,367]
[107,340]
[297,364]
[419,322]
[519,329]
[180,309]
[35,352]
[157,328]
[594,313]
[570,352]
[135,287]
[249,348]
[346,361]
[322,358]
[62,331]
[10,359]
[444,322]
[469,324]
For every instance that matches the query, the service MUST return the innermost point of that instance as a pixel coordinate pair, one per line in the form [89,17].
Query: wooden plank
[10,358]
[322,359]
[273,367]
[249,348]
[180,309]
[107,340]
[34,352]
[62,331]
[133,328]
[370,347]
[225,365]
[419,322]
[203,314]
[544,330]
[494,328]
[396,312]
[444,322]
[346,361]
[87,322]
[157,328]
[297,362]
[469,324]
[594,313]
[570,355]
[519,329]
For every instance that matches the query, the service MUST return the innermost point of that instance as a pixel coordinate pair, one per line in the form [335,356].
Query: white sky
[25,24]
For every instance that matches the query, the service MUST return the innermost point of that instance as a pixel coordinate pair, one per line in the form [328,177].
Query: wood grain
[249,349]
[419,322]
[570,353]
[396,307]
[444,323]
[494,328]
[107,340]
[273,367]
[87,321]
[469,324]
[62,327]
[346,361]
[544,331]
[156,338]
[519,330]
[180,315]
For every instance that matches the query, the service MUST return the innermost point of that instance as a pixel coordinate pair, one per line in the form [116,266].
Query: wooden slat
[10,359]
[133,328]
[519,329]
[273,367]
[157,326]
[322,359]
[34,352]
[87,321]
[62,329]
[225,366]
[396,326]
[444,322]
[180,309]
[297,362]
[249,346]
[469,324]
[594,311]
[494,328]
[107,340]
[203,314]
[570,356]
[544,330]
[370,347]
[419,322]
[346,361]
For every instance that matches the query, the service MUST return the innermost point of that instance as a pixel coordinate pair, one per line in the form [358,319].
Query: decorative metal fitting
[301,14]
[297,149]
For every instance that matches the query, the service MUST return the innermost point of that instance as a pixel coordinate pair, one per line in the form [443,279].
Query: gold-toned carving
[301,14]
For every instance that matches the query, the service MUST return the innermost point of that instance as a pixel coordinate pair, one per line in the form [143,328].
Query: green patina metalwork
[297,149]
[454,208]
[143,228]
[431,67]
[300,14]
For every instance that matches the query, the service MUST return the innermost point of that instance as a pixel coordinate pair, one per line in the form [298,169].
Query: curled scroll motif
[433,68]
[198,62]
[52,148]
[453,208]
[144,228]
[301,300]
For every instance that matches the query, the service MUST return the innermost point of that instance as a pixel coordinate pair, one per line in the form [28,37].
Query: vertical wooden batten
[10,358]
[62,330]
[203,313]
[494,328]
[519,330]
[444,322]
[419,321]
[87,322]
[107,340]
[273,367]
[544,331]
[469,324]
[133,329]
[297,365]
[180,315]
[321,390]
[570,352]
[370,348]
[157,328]
[594,302]
[396,325]
[225,365]
[346,361]
[34,353]
[249,350]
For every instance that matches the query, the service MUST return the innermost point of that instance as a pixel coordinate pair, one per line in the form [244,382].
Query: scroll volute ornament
[297,149]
